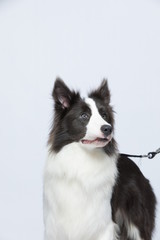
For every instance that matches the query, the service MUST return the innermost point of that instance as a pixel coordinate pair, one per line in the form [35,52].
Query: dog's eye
[84,116]
[104,115]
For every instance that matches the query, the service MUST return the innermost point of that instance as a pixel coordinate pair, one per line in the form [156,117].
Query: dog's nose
[106,129]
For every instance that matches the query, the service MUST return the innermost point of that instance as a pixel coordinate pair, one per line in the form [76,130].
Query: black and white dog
[91,192]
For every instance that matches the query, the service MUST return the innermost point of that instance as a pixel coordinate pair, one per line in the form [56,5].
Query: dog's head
[88,121]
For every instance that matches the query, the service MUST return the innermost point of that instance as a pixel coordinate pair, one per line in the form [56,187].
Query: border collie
[91,192]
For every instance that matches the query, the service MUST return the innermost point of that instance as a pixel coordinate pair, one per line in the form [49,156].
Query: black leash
[150,155]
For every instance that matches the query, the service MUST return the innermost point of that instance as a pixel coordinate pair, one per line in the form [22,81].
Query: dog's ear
[102,92]
[62,95]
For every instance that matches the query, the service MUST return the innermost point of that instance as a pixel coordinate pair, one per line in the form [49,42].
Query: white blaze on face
[95,123]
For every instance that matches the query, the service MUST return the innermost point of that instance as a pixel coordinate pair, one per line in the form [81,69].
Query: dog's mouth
[96,141]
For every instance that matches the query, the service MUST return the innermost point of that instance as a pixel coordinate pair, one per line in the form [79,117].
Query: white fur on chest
[78,187]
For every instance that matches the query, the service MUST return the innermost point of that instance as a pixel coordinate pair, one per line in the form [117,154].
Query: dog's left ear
[102,92]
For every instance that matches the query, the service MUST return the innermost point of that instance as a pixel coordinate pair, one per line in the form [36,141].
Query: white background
[81,41]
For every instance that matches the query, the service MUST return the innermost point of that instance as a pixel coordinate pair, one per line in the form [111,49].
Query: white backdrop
[81,41]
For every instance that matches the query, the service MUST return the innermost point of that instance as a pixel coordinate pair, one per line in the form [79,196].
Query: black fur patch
[133,199]
[69,125]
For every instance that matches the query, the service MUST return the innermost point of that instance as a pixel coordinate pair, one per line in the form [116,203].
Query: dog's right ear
[61,94]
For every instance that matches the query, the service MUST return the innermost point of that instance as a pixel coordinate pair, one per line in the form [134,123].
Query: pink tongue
[91,141]
[88,141]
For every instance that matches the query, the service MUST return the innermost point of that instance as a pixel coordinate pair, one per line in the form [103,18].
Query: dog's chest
[74,208]
[77,190]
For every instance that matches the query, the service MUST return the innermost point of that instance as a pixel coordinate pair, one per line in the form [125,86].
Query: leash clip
[151,155]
